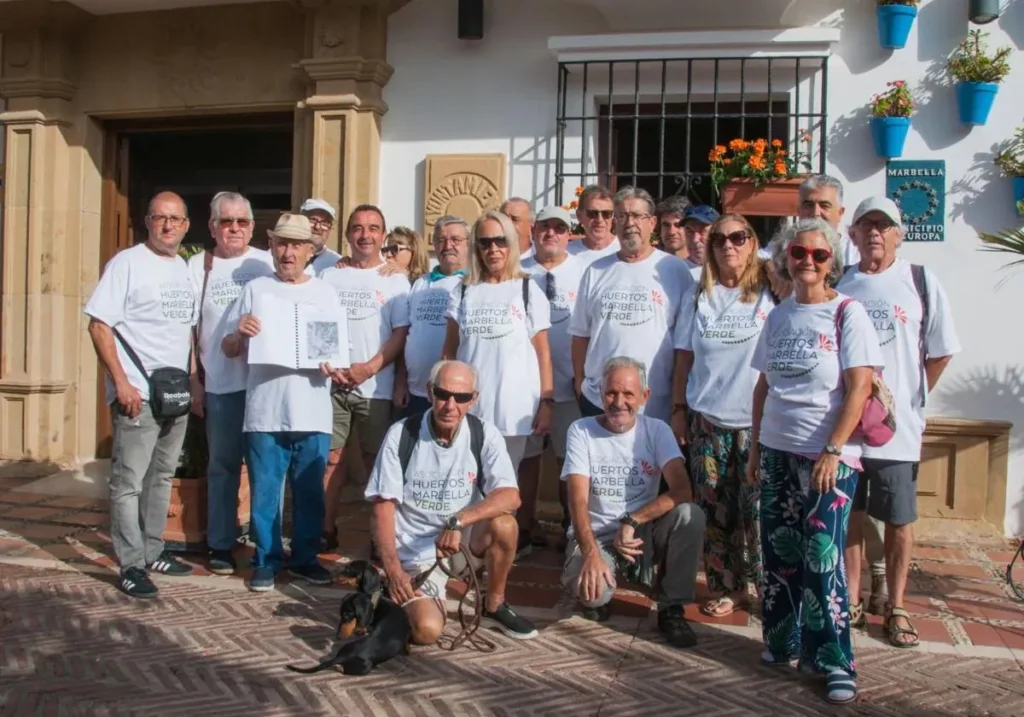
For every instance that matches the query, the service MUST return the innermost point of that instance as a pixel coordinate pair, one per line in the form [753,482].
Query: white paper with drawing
[299,336]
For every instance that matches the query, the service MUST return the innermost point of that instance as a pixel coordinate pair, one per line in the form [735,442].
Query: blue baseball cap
[702,213]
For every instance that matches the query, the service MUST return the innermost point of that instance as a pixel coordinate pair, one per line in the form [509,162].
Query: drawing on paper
[321,340]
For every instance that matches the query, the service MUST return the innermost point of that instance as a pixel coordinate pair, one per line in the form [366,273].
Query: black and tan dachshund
[388,634]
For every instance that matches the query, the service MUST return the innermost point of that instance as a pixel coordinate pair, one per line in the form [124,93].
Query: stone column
[338,124]
[41,282]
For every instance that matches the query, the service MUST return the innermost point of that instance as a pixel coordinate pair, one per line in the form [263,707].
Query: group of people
[702,397]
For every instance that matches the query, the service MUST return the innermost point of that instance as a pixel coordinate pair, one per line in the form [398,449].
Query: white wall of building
[500,94]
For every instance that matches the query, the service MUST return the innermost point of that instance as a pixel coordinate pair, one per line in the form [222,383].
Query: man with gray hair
[821,197]
[443,480]
[626,306]
[218,277]
[621,522]
[521,213]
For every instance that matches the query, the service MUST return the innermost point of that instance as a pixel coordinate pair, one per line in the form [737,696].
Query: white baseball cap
[311,205]
[554,212]
[879,204]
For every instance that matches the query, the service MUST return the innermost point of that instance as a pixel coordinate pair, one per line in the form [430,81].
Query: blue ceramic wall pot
[974,100]
[1018,190]
[894,23]
[889,134]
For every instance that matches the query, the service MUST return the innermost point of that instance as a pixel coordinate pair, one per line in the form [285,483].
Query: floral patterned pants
[805,603]
[732,547]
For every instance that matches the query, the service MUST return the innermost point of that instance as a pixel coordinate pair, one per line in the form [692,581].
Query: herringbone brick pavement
[70,644]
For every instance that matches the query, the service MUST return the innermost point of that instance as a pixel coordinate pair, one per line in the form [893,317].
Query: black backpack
[411,434]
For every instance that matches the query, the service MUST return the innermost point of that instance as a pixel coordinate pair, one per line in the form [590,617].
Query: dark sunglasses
[881,225]
[392,250]
[737,238]
[243,223]
[799,253]
[441,394]
[605,214]
[486,243]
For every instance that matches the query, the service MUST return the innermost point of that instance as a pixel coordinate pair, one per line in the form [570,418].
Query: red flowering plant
[760,160]
[577,228]
[894,102]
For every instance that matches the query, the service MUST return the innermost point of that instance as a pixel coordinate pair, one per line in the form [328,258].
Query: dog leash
[469,625]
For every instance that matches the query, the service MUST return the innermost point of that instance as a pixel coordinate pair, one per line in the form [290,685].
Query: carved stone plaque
[464,185]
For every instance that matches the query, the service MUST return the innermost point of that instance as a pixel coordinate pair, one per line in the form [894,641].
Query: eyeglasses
[634,216]
[882,225]
[173,219]
[243,222]
[486,243]
[441,394]
[320,223]
[799,253]
[605,214]
[393,249]
[737,238]
[454,241]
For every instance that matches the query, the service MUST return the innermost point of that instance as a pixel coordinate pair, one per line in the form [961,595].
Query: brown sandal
[895,632]
[857,618]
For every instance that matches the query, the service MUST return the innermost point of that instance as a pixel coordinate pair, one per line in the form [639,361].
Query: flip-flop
[711,607]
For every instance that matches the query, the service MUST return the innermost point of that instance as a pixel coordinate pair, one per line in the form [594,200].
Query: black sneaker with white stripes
[134,582]
[167,564]
[510,623]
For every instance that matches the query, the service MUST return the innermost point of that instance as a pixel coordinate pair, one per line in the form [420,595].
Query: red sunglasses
[799,253]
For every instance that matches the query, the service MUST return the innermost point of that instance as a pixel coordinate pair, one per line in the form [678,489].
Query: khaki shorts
[564,415]
[372,415]
[522,447]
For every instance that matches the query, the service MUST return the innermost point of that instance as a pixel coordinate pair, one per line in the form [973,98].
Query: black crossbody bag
[170,393]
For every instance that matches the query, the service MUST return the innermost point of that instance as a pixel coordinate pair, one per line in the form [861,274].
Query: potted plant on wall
[758,178]
[890,119]
[1010,162]
[977,75]
[577,228]
[895,18]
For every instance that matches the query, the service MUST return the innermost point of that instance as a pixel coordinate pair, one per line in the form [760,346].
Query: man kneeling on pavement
[621,523]
[441,478]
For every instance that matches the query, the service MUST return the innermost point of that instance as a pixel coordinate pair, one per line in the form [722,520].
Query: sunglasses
[486,243]
[737,238]
[881,225]
[393,249]
[441,394]
[605,214]
[243,223]
[799,253]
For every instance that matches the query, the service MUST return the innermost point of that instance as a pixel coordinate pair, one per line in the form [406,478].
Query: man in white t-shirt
[142,312]
[287,421]
[378,320]
[595,215]
[627,306]
[442,478]
[558,274]
[821,197]
[321,219]
[428,302]
[614,464]
[218,277]
[914,322]
[520,212]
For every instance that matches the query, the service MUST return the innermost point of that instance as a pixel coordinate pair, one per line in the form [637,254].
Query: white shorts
[436,583]
[522,447]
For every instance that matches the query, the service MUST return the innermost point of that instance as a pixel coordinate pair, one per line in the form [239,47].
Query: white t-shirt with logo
[624,468]
[377,305]
[225,283]
[566,277]
[440,482]
[280,399]
[324,260]
[428,325]
[148,299]
[797,353]
[894,308]
[630,309]
[722,333]
[495,337]
[588,256]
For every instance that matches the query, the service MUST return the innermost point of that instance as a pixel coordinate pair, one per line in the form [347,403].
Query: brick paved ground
[71,644]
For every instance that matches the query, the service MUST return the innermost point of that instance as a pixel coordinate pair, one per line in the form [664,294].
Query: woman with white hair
[498,321]
[816,355]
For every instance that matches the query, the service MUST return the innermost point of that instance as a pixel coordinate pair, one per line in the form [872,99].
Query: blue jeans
[303,458]
[416,404]
[224,415]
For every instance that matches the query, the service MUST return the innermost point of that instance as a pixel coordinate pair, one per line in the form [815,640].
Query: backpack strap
[407,440]
[134,356]
[526,294]
[840,317]
[476,444]
[197,331]
[921,285]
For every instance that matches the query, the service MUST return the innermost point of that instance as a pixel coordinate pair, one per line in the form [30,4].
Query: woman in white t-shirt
[498,321]
[816,355]
[719,322]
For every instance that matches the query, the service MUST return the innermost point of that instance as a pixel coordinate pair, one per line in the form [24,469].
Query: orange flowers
[760,160]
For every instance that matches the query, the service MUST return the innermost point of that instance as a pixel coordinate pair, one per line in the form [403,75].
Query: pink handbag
[878,420]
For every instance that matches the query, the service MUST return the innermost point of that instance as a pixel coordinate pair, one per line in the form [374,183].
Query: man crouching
[442,477]
[620,523]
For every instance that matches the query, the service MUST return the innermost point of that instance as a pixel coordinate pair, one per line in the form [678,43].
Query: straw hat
[294,227]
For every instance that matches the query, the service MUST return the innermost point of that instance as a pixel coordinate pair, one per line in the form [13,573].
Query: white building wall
[499,95]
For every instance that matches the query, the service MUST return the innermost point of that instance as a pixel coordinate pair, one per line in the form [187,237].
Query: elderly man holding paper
[294,334]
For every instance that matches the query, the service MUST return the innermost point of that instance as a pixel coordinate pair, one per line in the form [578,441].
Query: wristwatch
[628,519]
[833,449]
[453,523]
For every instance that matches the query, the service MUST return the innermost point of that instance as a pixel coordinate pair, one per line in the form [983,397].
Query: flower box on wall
[772,199]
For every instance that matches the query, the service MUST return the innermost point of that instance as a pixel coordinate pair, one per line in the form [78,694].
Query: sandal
[879,595]
[895,632]
[857,617]
[719,607]
[841,687]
